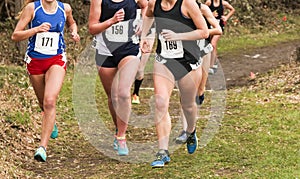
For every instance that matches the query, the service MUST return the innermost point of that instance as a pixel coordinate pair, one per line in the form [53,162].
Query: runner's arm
[216,30]
[148,20]
[71,23]
[230,13]
[95,26]
[20,33]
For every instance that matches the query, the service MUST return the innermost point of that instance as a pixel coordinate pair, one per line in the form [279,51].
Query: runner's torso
[51,43]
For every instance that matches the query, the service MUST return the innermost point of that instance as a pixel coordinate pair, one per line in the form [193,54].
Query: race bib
[171,49]
[208,48]
[47,43]
[201,43]
[205,46]
[118,32]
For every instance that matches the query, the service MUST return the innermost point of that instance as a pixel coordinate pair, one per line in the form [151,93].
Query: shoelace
[190,139]
[159,157]
[122,143]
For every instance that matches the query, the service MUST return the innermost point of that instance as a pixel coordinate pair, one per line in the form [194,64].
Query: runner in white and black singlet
[179,24]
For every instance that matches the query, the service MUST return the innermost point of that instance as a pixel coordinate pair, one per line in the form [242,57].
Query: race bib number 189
[47,43]
[171,49]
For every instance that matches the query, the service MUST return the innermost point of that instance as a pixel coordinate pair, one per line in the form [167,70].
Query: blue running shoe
[122,147]
[192,142]
[115,145]
[54,133]
[40,154]
[162,158]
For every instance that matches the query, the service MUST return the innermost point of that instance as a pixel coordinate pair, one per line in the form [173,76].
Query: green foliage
[13,76]
[15,80]
[18,118]
[259,14]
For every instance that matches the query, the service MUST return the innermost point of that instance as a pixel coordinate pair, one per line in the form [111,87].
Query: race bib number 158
[118,32]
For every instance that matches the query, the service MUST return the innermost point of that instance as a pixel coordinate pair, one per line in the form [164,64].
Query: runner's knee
[161,103]
[49,103]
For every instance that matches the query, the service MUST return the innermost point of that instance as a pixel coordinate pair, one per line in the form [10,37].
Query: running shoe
[115,145]
[162,158]
[211,71]
[54,133]
[200,99]
[122,147]
[192,142]
[40,154]
[215,66]
[181,139]
[135,99]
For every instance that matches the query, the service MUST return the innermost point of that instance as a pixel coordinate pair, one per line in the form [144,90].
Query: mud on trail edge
[237,66]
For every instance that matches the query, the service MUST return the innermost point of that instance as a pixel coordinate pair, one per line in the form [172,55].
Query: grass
[250,41]
[265,135]
[269,36]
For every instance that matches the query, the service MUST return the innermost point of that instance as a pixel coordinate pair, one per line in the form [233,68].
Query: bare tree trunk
[18,6]
[21,46]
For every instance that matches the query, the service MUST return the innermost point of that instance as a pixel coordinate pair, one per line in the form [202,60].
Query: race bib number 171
[47,43]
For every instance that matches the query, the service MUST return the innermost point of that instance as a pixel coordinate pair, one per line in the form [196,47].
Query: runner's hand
[75,36]
[145,46]
[224,19]
[169,35]
[138,27]
[44,27]
[119,16]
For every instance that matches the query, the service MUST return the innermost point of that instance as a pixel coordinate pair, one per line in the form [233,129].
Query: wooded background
[254,11]
[250,16]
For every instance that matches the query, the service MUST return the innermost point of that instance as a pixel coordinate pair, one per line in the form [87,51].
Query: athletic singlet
[51,43]
[220,11]
[175,21]
[120,34]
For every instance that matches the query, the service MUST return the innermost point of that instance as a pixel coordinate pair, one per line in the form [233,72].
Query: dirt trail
[237,66]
